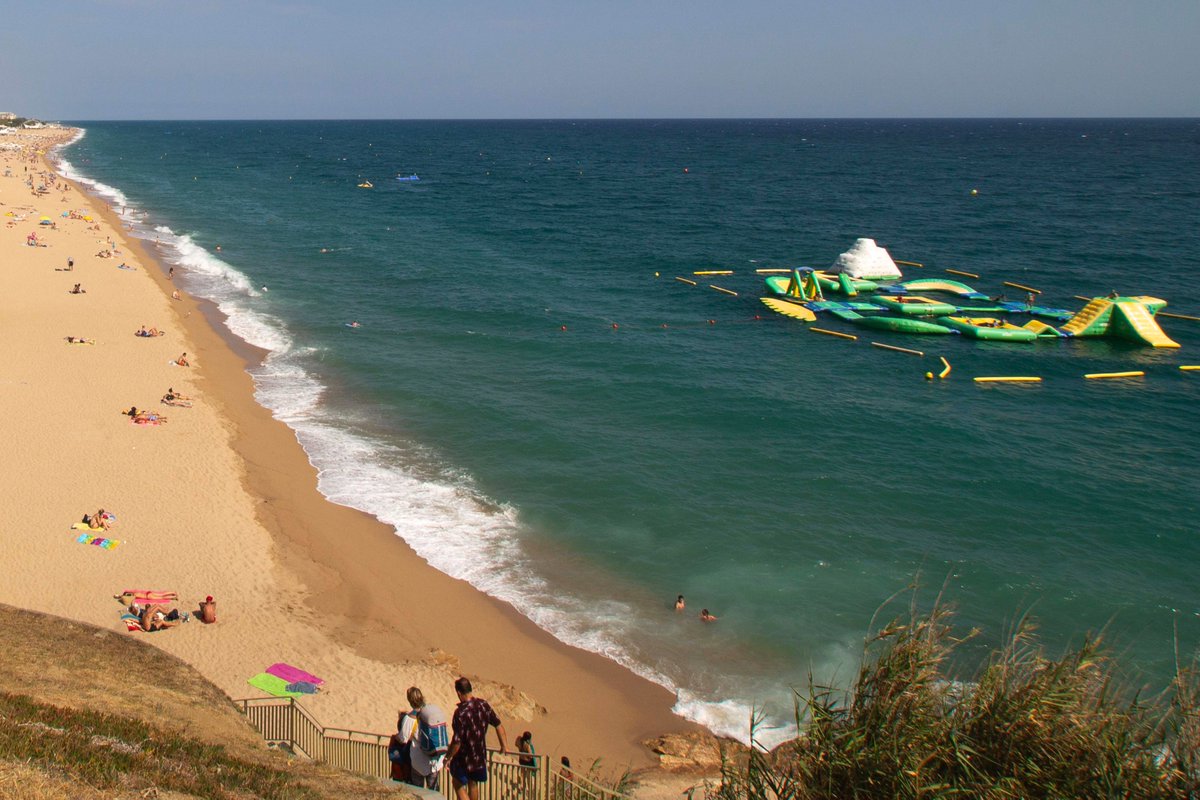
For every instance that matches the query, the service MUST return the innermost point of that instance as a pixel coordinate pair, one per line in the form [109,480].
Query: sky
[477,59]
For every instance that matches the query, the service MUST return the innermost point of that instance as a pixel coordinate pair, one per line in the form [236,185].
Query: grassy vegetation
[1027,725]
[109,752]
[91,713]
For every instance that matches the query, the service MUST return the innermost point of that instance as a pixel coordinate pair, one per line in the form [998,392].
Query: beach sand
[222,500]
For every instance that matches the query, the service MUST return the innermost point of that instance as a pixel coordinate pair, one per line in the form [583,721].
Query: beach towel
[83,526]
[272,685]
[291,674]
[102,542]
[132,622]
[149,595]
[151,423]
[302,687]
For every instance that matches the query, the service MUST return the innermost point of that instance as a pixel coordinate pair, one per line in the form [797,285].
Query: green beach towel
[272,685]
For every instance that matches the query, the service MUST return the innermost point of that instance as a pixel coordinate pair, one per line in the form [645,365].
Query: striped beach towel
[102,542]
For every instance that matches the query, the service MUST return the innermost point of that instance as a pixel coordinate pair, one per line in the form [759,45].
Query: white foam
[732,718]
[114,196]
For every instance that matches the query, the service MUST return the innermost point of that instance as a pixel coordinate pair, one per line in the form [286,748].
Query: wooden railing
[283,721]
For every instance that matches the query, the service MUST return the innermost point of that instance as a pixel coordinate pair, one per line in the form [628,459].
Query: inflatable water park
[865,288]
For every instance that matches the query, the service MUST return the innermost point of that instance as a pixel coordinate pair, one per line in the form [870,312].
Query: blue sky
[298,59]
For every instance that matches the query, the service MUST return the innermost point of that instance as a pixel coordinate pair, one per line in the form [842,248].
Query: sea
[538,405]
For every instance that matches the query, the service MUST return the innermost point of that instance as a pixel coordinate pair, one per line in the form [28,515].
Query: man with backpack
[429,743]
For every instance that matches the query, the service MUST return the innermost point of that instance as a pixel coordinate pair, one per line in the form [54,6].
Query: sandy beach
[221,500]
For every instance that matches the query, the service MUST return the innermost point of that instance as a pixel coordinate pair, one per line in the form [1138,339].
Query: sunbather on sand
[97,521]
[178,395]
[182,361]
[156,618]
[79,340]
[169,399]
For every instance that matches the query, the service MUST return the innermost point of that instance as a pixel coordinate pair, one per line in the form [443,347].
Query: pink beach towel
[293,674]
[157,595]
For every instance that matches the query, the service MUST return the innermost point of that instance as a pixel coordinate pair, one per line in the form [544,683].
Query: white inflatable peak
[866,260]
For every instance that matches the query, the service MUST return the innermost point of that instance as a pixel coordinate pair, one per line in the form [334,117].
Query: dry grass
[92,713]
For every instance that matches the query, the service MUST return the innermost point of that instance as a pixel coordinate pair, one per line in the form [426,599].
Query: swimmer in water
[679,604]
[706,617]
[355,324]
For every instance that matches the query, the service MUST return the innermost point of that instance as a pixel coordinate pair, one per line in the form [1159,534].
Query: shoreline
[344,576]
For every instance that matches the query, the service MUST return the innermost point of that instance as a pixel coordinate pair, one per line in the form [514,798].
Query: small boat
[408,178]
[914,305]
[991,328]
[366,185]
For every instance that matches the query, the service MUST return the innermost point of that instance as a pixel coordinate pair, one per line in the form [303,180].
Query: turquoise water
[535,411]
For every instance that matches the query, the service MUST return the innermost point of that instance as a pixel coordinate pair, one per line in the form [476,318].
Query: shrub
[1027,726]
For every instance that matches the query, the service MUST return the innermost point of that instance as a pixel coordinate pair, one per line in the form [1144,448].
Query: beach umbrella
[45,221]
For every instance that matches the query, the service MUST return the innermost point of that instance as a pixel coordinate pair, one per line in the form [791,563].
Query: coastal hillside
[90,713]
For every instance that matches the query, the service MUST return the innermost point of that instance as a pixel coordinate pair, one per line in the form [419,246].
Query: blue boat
[408,178]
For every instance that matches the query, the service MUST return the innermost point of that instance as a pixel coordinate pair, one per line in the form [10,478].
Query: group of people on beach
[422,746]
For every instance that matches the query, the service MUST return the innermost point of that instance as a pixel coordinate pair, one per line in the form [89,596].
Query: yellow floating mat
[1009,379]
[1190,367]
[789,309]
[1095,375]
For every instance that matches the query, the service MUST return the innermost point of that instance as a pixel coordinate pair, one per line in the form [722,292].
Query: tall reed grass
[1024,725]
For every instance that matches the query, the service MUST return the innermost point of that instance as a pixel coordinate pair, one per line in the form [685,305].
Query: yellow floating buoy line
[838,334]
[725,291]
[771,271]
[1022,287]
[1009,379]
[685,280]
[1099,375]
[897,349]
[946,371]
[1177,316]
[1084,299]
[714,272]
[908,263]
[961,272]
[1190,367]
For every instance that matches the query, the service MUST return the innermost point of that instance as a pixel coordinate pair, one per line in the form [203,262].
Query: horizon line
[622,119]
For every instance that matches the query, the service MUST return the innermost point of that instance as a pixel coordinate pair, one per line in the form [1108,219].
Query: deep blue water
[534,410]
